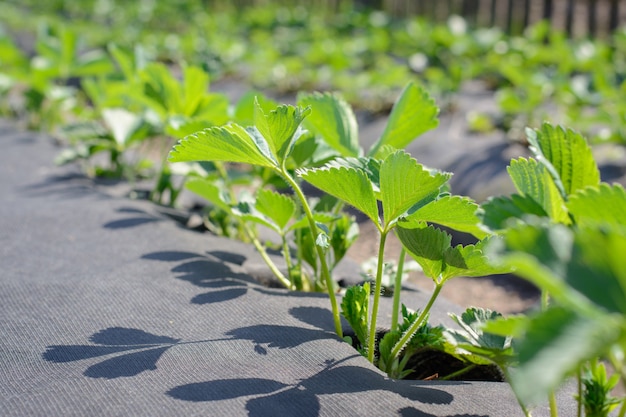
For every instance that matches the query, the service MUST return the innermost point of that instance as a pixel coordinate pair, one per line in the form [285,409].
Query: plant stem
[397,289]
[371,341]
[406,337]
[272,266]
[459,372]
[320,251]
[554,412]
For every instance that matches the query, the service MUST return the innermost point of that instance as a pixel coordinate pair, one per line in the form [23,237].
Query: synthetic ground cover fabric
[110,308]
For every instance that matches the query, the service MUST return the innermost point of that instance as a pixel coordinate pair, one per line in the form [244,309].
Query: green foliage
[426,337]
[567,238]
[480,344]
[596,398]
[355,309]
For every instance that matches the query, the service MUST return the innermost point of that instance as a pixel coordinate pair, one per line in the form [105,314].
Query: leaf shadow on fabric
[206,271]
[270,397]
[138,218]
[69,185]
[137,350]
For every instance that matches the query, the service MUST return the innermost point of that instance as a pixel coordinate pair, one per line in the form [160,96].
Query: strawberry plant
[565,232]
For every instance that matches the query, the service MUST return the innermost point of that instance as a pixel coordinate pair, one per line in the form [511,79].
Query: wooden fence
[576,17]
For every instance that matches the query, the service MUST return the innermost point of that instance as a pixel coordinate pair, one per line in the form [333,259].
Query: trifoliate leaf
[413,114]
[533,180]
[405,183]
[347,184]
[594,206]
[280,127]
[230,143]
[566,155]
[497,213]
[459,213]
[332,119]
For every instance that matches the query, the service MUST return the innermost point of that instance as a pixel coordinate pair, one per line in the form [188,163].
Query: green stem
[406,337]
[320,252]
[371,341]
[397,289]
[287,257]
[459,372]
[272,266]
[554,412]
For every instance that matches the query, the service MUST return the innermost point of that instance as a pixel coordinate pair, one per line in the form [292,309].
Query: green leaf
[497,213]
[537,254]
[459,213]
[211,191]
[123,125]
[245,108]
[405,183]
[347,184]
[319,217]
[332,119]
[427,246]
[555,345]
[280,127]
[278,207]
[473,338]
[602,205]
[230,143]
[566,155]
[355,309]
[596,267]
[413,114]
[533,180]
[432,249]
[469,261]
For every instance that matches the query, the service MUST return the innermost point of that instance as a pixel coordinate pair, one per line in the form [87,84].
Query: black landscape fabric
[110,308]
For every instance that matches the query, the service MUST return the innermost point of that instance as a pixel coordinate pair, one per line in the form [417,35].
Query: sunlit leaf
[211,191]
[413,114]
[566,155]
[459,213]
[230,143]
[332,118]
[347,184]
[599,205]
[533,180]
[404,183]
[279,127]
[122,124]
[278,207]
[498,212]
